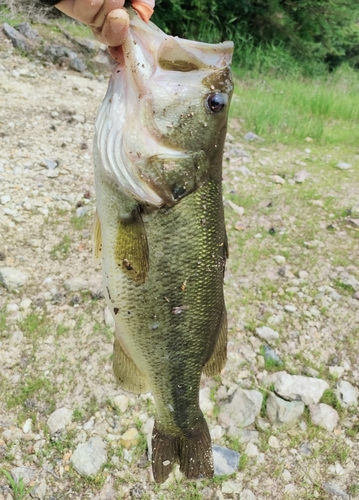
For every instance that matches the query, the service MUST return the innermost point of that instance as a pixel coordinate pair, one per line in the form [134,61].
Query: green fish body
[160,231]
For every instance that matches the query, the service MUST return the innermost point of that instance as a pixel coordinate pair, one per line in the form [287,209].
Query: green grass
[62,249]
[2,320]
[288,110]
[31,387]
[34,325]
[19,490]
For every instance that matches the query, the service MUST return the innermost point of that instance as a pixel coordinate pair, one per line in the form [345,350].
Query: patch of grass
[271,365]
[80,223]
[243,461]
[19,490]
[288,110]
[61,250]
[330,398]
[343,286]
[34,325]
[41,387]
[61,330]
[2,320]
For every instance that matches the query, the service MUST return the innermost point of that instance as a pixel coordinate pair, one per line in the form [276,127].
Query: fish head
[165,114]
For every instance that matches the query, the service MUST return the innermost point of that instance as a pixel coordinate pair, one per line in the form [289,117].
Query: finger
[115,28]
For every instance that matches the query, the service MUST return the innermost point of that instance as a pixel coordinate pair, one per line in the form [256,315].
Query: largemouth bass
[160,231]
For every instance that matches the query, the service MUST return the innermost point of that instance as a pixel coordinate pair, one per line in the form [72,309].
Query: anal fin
[216,362]
[126,372]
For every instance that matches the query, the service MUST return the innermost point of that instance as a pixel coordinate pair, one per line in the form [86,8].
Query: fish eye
[216,101]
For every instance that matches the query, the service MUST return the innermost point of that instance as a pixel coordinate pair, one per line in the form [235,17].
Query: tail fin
[192,450]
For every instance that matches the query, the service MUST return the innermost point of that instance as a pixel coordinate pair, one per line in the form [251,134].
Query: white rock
[230,488]
[217,432]
[324,415]
[266,333]
[12,278]
[300,388]
[281,412]
[247,495]
[4,199]
[205,402]
[26,428]
[251,450]
[244,407]
[12,308]
[39,492]
[343,165]
[336,371]
[347,393]
[301,176]
[287,476]
[109,319]
[108,491]
[239,210]
[290,308]
[25,304]
[121,402]
[89,457]
[273,443]
[277,179]
[280,259]
[76,284]
[26,473]
[59,419]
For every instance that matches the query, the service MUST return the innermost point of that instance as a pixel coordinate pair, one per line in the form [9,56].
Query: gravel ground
[293,227]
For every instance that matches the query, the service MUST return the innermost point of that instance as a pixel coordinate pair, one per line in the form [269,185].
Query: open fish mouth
[134,124]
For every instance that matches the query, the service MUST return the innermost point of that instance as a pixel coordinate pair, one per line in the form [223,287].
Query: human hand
[107,18]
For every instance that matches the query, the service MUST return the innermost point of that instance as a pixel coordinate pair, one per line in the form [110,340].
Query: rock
[347,393]
[280,259]
[324,415]
[356,295]
[4,199]
[50,164]
[78,65]
[246,436]
[231,488]
[121,402]
[58,52]
[216,433]
[76,284]
[24,473]
[353,222]
[12,278]
[336,371]
[334,490]
[109,319]
[108,491]
[244,407]
[239,210]
[130,437]
[39,491]
[301,176]
[89,457]
[277,179]
[59,419]
[247,495]
[266,333]
[290,308]
[25,304]
[245,171]
[270,355]
[251,136]
[81,211]
[305,449]
[252,450]
[205,401]
[17,39]
[26,428]
[300,388]
[225,461]
[28,32]
[273,442]
[343,166]
[281,412]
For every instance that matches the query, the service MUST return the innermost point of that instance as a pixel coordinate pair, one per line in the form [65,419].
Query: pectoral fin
[126,372]
[216,363]
[96,240]
[131,252]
